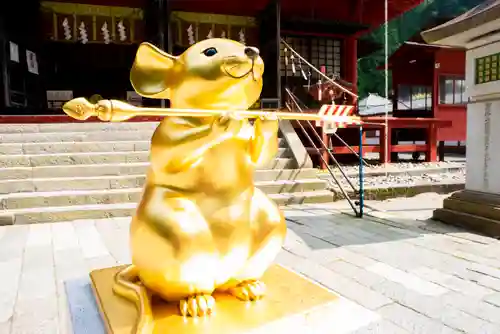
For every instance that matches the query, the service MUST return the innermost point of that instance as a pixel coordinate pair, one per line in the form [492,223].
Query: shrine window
[452,90]
[413,97]
[487,69]
[320,52]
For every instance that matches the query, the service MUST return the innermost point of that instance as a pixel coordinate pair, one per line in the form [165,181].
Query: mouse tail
[128,286]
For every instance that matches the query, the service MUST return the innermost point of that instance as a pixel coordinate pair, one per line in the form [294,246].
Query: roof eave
[478,16]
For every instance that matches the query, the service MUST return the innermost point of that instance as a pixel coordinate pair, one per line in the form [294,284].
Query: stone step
[99,211]
[77,127]
[27,200]
[318,196]
[477,209]
[74,147]
[94,170]
[88,136]
[54,137]
[487,226]
[79,147]
[58,182]
[89,158]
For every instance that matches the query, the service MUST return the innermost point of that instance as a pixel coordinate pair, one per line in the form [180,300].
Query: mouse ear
[152,72]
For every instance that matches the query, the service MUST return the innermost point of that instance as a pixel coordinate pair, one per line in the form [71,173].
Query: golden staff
[116,111]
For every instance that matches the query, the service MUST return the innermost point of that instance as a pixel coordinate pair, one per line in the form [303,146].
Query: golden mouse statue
[201,225]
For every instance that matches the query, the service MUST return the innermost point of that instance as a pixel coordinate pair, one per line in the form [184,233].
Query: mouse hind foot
[249,290]
[197,305]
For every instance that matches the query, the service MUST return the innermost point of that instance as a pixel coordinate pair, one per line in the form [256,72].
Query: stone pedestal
[293,304]
[473,210]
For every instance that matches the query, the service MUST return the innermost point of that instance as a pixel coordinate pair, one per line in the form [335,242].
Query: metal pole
[294,100]
[361,176]
[386,70]
[342,190]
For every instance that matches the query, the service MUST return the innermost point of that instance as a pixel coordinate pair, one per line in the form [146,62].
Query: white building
[478,30]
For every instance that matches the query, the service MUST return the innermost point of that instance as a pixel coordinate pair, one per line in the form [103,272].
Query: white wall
[483,127]
[489,89]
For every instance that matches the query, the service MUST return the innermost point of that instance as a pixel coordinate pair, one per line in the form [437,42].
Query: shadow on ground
[320,228]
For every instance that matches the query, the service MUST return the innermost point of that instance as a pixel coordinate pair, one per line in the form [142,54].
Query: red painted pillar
[435,85]
[364,143]
[385,156]
[431,154]
[326,156]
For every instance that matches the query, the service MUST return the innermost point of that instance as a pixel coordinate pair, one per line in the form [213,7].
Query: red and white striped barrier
[337,110]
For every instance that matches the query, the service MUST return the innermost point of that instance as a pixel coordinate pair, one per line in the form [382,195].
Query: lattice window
[488,69]
[318,51]
[327,52]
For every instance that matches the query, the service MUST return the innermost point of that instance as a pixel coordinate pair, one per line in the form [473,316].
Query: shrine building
[435,89]
[57,50]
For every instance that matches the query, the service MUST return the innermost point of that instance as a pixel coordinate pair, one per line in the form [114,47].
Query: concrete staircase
[67,171]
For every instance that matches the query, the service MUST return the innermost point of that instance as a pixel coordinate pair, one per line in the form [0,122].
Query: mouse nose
[251,52]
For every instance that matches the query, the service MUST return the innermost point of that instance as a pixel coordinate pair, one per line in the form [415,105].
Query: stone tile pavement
[414,275]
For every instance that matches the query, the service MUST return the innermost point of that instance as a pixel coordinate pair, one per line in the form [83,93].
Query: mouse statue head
[212,74]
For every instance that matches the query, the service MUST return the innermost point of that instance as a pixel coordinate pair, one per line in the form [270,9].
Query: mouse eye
[210,52]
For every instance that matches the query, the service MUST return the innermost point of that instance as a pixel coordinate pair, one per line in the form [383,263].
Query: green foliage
[400,29]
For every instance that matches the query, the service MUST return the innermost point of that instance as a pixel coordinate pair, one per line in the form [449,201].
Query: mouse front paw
[197,306]
[249,290]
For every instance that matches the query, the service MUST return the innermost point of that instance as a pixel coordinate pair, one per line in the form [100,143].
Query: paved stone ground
[417,276]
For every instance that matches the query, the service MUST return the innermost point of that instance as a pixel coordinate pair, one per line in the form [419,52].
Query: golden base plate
[292,302]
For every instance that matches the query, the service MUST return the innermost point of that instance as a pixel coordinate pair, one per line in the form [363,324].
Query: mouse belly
[225,170]
[226,167]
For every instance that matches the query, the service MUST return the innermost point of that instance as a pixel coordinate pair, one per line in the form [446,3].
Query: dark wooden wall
[21,90]
[270,39]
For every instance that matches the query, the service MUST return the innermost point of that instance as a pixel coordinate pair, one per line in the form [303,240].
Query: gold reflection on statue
[201,225]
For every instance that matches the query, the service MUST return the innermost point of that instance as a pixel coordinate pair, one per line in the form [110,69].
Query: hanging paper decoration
[190,35]
[223,34]
[210,34]
[105,33]
[286,57]
[303,73]
[67,30]
[84,38]
[293,63]
[308,80]
[242,36]
[122,31]
[302,70]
